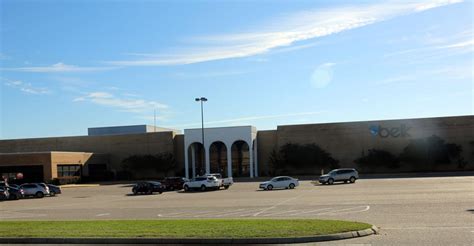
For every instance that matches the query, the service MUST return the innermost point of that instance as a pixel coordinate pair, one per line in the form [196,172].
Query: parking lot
[434,210]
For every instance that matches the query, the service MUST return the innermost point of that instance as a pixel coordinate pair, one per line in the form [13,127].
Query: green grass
[204,228]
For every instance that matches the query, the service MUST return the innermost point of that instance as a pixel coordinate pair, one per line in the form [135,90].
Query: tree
[432,151]
[378,158]
[302,157]
[163,163]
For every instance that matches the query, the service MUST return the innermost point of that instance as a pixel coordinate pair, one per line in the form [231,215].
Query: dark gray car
[336,175]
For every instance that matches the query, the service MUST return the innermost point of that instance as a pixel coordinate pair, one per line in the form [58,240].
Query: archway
[218,158]
[196,159]
[240,159]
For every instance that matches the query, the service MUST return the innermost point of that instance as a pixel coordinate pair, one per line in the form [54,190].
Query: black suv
[173,183]
[147,187]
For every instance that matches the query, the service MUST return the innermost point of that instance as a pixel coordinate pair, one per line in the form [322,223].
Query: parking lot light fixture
[202,100]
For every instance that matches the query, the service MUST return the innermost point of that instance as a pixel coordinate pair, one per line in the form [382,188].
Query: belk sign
[384,132]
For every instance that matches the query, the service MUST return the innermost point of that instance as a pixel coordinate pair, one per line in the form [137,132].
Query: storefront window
[69,170]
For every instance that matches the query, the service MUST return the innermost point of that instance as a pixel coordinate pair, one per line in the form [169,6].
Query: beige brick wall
[346,141]
[117,146]
[266,142]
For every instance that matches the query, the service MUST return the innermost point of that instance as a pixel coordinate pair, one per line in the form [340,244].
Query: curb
[78,185]
[330,237]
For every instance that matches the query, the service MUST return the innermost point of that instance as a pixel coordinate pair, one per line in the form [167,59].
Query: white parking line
[246,212]
[341,211]
[274,206]
[170,214]
[15,215]
[312,211]
[189,214]
[100,215]
[280,213]
[224,213]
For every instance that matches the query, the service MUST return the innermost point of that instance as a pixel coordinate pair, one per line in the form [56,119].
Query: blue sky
[70,65]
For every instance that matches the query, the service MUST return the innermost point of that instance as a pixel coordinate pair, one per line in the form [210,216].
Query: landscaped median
[184,231]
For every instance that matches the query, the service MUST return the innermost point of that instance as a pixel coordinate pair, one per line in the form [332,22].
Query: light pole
[202,100]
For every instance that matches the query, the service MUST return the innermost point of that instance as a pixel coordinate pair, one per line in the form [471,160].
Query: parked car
[35,189]
[147,187]
[3,194]
[46,187]
[336,175]
[54,190]
[223,182]
[14,186]
[173,183]
[14,193]
[202,183]
[279,183]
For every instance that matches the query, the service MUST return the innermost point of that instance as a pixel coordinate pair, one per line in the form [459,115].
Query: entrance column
[207,153]
[229,161]
[256,158]
[251,161]
[186,163]
[193,160]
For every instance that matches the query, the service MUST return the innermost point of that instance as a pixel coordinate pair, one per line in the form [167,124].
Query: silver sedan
[281,182]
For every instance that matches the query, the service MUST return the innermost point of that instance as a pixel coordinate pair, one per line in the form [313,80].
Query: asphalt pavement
[409,211]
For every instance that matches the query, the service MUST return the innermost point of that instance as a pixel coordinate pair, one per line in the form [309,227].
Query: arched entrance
[240,159]
[218,158]
[196,158]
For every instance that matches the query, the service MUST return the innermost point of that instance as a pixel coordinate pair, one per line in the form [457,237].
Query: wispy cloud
[125,104]
[282,32]
[436,47]
[249,119]
[446,73]
[57,68]
[26,87]
[209,74]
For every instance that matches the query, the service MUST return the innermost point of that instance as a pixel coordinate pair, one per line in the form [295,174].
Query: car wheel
[135,191]
[186,188]
[226,187]
[51,193]
[291,186]
[270,187]
[203,188]
[330,181]
[352,179]
[39,194]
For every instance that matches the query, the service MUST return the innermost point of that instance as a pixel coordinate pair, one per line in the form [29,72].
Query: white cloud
[247,120]
[283,32]
[436,47]
[26,87]
[57,68]
[132,105]
[322,75]
[446,73]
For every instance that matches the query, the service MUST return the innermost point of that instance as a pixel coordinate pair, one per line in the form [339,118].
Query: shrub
[431,151]
[301,157]
[378,158]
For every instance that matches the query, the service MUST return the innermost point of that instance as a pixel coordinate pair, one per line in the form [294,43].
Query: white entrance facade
[239,144]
